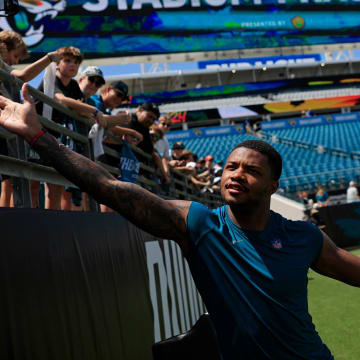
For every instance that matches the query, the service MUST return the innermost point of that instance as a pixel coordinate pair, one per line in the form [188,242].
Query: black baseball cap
[178,145]
[121,88]
[147,106]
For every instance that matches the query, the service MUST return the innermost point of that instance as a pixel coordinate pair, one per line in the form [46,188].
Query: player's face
[247,178]
[68,66]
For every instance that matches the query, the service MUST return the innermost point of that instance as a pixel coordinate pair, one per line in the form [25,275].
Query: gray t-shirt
[4,85]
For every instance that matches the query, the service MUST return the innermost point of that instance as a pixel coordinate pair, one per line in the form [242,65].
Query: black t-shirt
[146,145]
[72,90]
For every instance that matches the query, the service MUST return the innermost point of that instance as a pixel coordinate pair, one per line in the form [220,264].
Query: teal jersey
[254,284]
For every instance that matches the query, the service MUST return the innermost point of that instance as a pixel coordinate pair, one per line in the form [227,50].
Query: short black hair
[275,160]
[147,106]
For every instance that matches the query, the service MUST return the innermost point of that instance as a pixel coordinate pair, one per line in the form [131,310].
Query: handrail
[21,168]
[321,173]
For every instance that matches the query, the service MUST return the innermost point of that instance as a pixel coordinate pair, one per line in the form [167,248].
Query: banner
[308,121]
[342,223]
[259,61]
[112,28]
[205,132]
[88,286]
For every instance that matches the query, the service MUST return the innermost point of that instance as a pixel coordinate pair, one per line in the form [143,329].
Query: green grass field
[335,308]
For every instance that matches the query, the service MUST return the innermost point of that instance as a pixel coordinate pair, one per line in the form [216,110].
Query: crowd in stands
[89,96]
[203,172]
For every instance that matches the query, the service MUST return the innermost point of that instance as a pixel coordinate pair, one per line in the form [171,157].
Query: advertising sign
[256,62]
[308,121]
[112,28]
[205,132]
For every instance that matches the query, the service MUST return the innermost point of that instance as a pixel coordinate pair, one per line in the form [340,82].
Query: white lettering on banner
[247,65]
[218,131]
[273,125]
[175,324]
[102,5]
[310,121]
[122,5]
[178,136]
[179,304]
[216,3]
[138,4]
[171,4]
[154,256]
[347,117]
[174,248]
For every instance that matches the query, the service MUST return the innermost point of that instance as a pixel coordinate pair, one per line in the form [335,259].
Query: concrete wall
[286,207]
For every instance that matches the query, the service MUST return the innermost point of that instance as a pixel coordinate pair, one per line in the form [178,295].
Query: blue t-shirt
[254,284]
[129,164]
[97,101]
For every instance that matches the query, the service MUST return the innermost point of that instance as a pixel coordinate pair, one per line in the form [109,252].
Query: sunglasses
[96,80]
[155,136]
[165,124]
[121,95]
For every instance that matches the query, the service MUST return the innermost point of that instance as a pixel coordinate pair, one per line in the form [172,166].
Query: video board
[113,28]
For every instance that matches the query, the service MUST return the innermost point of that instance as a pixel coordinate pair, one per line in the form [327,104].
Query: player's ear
[274,186]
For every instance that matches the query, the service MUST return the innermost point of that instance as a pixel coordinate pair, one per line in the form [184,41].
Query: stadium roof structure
[178,79]
[223,54]
[169,81]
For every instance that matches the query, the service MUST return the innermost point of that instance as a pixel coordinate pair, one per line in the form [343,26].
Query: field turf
[335,308]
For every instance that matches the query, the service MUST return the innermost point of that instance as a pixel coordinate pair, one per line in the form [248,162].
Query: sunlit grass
[335,308]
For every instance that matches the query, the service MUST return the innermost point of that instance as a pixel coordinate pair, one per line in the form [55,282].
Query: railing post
[21,186]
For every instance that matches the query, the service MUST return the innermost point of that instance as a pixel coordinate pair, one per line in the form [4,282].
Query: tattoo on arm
[166,219]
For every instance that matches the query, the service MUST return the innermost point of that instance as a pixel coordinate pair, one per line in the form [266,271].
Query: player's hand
[20,119]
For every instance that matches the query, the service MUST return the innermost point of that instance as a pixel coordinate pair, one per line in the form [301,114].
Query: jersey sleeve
[316,242]
[198,222]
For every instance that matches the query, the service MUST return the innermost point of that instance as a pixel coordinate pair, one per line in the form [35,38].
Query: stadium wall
[88,286]
[286,207]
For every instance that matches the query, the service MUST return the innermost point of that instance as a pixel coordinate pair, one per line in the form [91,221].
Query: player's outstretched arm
[338,263]
[166,219]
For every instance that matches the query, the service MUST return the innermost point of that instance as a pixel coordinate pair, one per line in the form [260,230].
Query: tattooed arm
[166,219]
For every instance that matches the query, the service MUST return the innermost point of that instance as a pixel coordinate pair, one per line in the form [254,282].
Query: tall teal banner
[111,28]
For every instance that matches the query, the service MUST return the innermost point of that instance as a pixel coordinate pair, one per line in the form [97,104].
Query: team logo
[197,132]
[276,244]
[29,21]
[298,22]
[292,122]
[328,118]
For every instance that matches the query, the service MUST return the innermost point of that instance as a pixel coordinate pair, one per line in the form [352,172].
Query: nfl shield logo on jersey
[276,244]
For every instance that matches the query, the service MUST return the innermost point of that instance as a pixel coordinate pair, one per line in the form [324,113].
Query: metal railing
[18,166]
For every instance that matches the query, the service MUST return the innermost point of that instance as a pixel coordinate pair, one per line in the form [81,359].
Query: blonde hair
[165,117]
[72,52]
[13,40]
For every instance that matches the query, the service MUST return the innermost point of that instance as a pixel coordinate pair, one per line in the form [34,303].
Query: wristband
[96,112]
[36,137]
